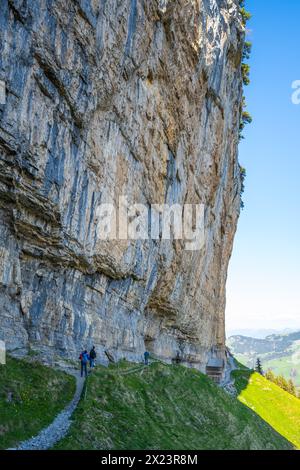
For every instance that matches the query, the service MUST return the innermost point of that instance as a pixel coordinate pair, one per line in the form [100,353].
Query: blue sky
[263,289]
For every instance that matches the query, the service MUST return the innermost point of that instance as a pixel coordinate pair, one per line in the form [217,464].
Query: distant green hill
[280,352]
[171,407]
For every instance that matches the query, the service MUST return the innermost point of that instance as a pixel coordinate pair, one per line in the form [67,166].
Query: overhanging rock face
[102,100]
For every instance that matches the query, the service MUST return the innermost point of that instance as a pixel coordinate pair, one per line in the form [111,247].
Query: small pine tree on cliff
[258,366]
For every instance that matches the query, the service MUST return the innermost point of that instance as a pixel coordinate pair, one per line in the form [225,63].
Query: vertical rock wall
[106,98]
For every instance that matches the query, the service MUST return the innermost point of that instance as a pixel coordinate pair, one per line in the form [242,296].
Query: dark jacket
[93,354]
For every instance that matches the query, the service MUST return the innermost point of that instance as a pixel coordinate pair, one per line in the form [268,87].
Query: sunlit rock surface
[103,99]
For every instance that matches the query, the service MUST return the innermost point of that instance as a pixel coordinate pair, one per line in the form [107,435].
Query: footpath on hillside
[57,430]
[53,433]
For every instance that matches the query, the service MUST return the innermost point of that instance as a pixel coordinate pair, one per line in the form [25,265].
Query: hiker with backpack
[93,356]
[146,358]
[84,357]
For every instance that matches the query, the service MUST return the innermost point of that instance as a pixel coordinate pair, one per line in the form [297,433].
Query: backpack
[85,358]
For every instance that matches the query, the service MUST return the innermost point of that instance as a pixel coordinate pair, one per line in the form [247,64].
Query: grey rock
[105,99]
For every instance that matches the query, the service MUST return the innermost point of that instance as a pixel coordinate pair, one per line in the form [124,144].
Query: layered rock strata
[110,98]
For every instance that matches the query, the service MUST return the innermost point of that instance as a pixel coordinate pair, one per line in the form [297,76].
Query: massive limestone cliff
[106,98]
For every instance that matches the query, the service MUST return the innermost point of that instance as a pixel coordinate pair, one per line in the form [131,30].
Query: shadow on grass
[165,407]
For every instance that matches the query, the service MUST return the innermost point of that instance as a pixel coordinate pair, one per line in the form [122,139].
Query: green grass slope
[30,397]
[163,407]
[277,407]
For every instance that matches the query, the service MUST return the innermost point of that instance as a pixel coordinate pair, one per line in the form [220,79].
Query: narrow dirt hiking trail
[58,429]
[53,433]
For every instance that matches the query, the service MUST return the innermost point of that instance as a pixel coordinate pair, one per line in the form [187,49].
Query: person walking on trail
[93,356]
[84,357]
[146,358]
